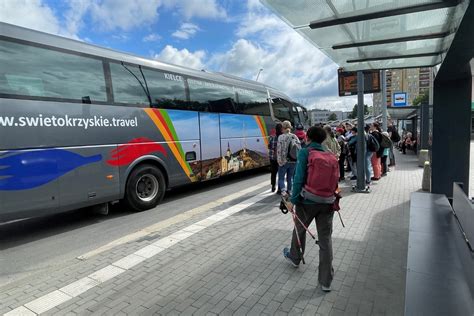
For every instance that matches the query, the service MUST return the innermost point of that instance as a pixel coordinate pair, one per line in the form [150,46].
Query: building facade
[413,81]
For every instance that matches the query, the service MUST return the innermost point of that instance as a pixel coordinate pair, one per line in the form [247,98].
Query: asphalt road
[40,244]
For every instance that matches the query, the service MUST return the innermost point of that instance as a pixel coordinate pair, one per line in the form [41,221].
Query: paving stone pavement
[236,265]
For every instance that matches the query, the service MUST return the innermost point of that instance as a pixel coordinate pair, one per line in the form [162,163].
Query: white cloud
[186,31]
[182,57]
[153,37]
[200,9]
[33,14]
[290,63]
[123,14]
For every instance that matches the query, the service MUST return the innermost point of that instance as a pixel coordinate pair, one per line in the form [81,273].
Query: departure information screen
[348,82]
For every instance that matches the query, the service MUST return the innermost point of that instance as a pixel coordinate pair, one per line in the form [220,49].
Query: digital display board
[348,82]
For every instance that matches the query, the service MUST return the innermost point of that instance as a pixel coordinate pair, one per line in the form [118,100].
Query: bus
[82,125]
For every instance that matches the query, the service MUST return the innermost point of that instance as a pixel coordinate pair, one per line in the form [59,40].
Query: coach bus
[82,125]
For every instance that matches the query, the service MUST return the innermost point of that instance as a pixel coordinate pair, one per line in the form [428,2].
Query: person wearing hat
[299,132]
[286,163]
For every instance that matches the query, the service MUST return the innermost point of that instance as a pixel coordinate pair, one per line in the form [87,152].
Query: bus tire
[145,188]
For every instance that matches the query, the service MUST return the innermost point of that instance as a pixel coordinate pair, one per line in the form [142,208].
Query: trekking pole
[300,247]
[340,218]
[302,224]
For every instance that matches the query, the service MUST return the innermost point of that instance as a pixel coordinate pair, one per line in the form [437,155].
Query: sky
[238,37]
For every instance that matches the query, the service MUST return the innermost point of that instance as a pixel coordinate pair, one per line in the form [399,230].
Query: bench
[440,264]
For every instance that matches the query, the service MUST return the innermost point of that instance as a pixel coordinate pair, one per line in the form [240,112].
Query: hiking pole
[340,218]
[300,247]
[302,224]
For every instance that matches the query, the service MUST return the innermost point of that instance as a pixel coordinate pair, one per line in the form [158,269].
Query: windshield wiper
[145,88]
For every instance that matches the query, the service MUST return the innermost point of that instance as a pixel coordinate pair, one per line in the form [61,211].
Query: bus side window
[281,109]
[252,102]
[126,88]
[166,89]
[42,72]
[212,97]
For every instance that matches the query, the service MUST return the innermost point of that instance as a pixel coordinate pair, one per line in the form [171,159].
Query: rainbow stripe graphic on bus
[165,126]
[28,170]
[263,128]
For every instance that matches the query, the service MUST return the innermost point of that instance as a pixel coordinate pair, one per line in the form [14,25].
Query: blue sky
[233,36]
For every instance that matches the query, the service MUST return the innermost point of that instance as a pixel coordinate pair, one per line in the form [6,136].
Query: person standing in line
[368,156]
[272,148]
[330,143]
[299,132]
[286,164]
[308,209]
[375,159]
[342,158]
[395,138]
[352,147]
[386,152]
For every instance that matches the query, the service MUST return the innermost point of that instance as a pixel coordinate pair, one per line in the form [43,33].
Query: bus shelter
[379,35]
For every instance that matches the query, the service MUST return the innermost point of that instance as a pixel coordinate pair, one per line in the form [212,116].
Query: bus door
[210,145]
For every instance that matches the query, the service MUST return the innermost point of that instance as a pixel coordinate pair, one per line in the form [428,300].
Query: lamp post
[258,75]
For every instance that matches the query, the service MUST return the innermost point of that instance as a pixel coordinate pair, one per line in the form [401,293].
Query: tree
[353,115]
[421,98]
[332,117]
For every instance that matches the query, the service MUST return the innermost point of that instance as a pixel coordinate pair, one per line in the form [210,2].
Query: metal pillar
[360,132]
[451,135]
[384,101]
[425,125]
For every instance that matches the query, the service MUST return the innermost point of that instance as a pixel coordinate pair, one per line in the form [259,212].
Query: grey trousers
[323,215]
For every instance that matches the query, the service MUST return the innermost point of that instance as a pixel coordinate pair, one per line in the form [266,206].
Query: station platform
[225,258]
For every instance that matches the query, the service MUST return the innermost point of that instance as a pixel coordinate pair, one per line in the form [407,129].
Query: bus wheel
[145,188]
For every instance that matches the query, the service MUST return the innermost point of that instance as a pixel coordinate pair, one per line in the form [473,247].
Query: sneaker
[326,288]
[353,178]
[286,254]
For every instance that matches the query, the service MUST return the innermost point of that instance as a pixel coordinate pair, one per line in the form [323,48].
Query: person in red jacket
[300,133]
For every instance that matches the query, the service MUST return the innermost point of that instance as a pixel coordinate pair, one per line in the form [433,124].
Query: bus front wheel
[145,188]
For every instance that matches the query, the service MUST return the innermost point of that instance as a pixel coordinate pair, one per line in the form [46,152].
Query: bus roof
[33,36]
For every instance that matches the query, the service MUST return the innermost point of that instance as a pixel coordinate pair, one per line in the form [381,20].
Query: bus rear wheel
[145,188]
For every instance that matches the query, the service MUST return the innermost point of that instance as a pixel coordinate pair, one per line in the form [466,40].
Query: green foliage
[353,115]
[421,98]
[332,117]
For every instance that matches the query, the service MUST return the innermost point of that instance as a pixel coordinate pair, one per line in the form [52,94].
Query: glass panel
[167,90]
[211,96]
[281,109]
[126,87]
[252,102]
[39,72]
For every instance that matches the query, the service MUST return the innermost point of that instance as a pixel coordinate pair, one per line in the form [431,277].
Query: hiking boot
[286,254]
[326,288]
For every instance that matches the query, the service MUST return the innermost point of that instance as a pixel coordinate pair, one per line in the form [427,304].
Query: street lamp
[258,75]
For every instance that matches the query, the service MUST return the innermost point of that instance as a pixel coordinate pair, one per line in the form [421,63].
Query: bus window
[281,109]
[39,72]
[252,102]
[211,96]
[167,90]
[126,88]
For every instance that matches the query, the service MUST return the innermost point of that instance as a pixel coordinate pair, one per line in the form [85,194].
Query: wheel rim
[147,187]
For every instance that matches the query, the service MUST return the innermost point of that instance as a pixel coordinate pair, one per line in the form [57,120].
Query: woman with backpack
[376,131]
[314,194]
[272,150]
[287,148]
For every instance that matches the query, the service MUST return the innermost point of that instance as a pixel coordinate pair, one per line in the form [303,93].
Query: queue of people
[300,159]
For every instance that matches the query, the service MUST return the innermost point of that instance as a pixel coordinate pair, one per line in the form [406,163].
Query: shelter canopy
[375,34]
